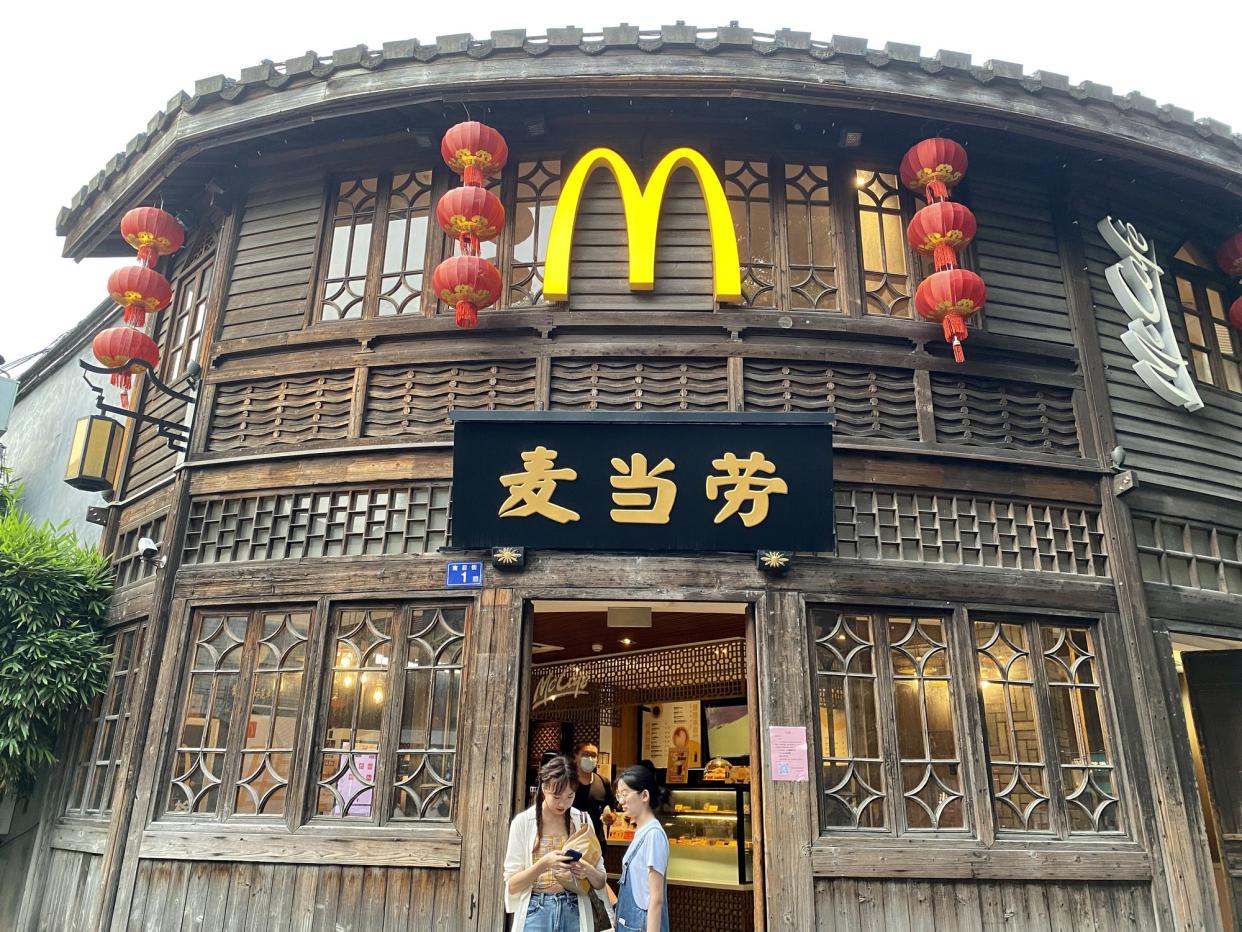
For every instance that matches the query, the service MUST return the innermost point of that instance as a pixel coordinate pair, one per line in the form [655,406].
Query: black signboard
[637,481]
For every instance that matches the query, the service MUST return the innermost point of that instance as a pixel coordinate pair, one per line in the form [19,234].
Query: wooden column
[789,812]
[1183,888]
[485,766]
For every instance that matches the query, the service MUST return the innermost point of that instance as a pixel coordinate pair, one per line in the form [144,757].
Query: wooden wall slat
[271,277]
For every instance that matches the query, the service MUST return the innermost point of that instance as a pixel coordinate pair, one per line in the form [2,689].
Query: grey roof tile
[571,39]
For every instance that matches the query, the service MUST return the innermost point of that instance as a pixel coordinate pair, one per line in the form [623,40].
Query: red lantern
[470,214]
[939,230]
[1229,256]
[120,346]
[1235,313]
[474,151]
[140,291]
[949,297]
[153,232]
[468,283]
[933,166]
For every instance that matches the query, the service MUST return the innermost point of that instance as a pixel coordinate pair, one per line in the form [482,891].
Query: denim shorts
[552,912]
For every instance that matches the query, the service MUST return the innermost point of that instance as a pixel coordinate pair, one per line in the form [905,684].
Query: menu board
[672,738]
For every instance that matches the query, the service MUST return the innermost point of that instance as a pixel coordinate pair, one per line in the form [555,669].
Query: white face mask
[586,764]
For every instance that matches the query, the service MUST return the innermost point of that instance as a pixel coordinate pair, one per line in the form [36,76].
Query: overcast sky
[80,79]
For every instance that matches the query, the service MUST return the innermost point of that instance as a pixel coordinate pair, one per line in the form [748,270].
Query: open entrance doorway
[670,683]
[1209,672]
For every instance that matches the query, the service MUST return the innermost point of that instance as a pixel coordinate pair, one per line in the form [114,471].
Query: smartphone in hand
[572,854]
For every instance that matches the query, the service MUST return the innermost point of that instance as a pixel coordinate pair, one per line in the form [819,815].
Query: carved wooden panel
[126,566]
[1189,553]
[984,412]
[639,385]
[282,410]
[868,401]
[320,523]
[417,399]
[969,530]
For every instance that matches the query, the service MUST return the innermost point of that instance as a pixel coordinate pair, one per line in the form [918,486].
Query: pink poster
[789,753]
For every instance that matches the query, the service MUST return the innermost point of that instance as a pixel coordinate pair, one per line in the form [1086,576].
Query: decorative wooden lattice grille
[405,400]
[714,670]
[982,412]
[1189,553]
[866,401]
[967,530]
[634,384]
[285,410]
[324,523]
[127,566]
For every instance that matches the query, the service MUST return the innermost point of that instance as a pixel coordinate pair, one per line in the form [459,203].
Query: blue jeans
[552,912]
[630,916]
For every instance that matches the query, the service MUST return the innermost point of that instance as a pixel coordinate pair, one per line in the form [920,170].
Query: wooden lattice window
[893,757]
[887,726]
[101,734]
[244,698]
[376,246]
[1215,345]
[127,564]
[1195,554]
[749,196]
[1049,755]
[888,282]
[388,740]
[182,332]
[536,188]
[809,231]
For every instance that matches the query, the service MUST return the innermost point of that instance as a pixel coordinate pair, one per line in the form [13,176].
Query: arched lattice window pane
[749,196]
[809,229]
[886,274]
[538,185]
[405,243]
[349,249]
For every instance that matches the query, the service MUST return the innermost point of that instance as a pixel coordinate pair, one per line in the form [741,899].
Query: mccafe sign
[1135,283]
[554,685]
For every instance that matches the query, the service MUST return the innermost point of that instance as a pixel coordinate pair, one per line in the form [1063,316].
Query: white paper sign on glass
[1135,282]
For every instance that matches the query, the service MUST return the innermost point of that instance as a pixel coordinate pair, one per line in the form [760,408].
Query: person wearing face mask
[592,793]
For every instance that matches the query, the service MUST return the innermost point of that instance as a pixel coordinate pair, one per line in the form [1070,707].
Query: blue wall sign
[464,575]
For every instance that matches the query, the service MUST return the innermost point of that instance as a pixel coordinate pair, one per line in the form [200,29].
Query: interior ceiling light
[627,642]
[850,138]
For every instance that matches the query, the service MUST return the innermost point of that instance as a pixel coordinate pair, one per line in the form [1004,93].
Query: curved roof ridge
[271,75]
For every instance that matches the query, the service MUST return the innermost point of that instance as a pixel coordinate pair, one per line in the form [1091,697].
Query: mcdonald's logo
[642,218]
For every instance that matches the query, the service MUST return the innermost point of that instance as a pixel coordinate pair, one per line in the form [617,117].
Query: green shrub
[53,598]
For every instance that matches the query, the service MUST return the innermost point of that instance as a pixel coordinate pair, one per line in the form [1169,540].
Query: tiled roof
[269,76]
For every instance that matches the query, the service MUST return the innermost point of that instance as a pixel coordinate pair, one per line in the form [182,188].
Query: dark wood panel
[220,896]
[914,906]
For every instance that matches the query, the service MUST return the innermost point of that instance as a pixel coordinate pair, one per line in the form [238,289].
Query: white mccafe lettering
[1135,282]
[555,686]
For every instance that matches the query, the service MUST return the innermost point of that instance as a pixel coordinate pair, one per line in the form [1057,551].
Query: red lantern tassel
[135,315]
[467,314]
[936,191]
[469,244]
[123,381]
[472,176]
[943,256]
[148,255]
[955,332]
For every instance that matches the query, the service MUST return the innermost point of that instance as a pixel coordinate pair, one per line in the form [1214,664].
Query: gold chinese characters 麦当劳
[645,495]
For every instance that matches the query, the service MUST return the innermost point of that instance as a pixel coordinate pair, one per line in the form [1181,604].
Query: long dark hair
[638,778]
[560,772]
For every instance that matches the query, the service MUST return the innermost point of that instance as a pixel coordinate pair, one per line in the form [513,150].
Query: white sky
[80,79]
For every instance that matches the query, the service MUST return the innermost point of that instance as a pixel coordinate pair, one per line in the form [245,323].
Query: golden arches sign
[642,218]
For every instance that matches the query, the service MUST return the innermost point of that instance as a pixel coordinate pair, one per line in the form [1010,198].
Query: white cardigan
[518,858]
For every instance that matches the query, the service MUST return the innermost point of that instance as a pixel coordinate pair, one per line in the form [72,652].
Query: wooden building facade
[1033,548]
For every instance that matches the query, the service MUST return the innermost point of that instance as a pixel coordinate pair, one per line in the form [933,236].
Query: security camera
[149,552]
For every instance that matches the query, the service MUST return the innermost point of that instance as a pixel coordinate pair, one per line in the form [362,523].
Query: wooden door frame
[754,602]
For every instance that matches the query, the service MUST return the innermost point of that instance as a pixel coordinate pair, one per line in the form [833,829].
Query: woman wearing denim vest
[642,901]
[541,883]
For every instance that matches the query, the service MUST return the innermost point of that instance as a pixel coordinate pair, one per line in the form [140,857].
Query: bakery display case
[709,836]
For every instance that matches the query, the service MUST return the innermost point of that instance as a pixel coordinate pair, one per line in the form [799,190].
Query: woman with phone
[642,900]
[541,880]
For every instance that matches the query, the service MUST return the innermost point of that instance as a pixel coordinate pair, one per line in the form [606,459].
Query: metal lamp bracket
[176,435]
